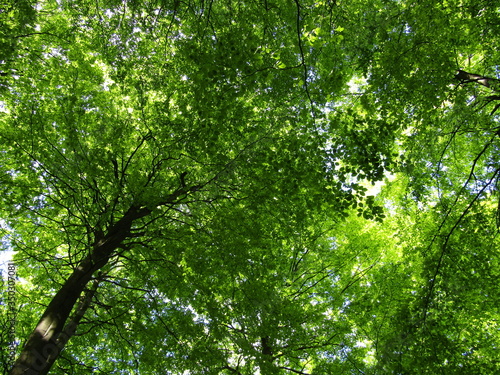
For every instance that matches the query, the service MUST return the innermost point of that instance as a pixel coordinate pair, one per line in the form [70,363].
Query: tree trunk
[48,338]
[70,327]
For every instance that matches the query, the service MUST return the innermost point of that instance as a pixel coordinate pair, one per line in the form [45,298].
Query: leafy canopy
[248,136]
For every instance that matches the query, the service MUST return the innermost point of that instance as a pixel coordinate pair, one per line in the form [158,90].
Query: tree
[449,156]
[113,156]
[186,182]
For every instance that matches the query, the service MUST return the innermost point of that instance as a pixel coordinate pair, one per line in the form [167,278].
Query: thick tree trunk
[49,336]
[71,326]
[266,365]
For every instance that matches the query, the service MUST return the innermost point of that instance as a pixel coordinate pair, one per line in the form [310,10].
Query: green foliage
[256,136]
[17,20]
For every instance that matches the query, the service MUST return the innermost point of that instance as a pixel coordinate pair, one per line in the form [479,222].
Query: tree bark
[49,336]
[71,326]
[491,83]
[466,77]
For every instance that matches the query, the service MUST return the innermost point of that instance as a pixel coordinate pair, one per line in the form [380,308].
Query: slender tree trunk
[49,337]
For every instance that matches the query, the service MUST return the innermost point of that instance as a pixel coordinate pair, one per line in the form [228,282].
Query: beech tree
[187,186]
